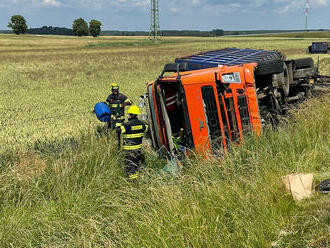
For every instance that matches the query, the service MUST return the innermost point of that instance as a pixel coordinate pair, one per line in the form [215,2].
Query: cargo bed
[228,57]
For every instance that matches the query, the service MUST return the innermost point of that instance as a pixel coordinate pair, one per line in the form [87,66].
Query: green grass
[62,183]
[80,197]
[133,43]
[50,84]
[313,34]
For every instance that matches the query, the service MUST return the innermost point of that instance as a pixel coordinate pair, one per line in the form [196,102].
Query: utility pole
[154,24]
[306,14]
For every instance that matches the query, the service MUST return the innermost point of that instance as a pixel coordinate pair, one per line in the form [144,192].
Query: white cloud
[51,3]
[293,5]
[37,3]
[195,2]
[289,5]
[119,5]
[284,9]
[174,10]
[207,7]
[319,2]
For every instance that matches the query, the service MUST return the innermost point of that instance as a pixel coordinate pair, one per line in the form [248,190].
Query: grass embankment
[79,198]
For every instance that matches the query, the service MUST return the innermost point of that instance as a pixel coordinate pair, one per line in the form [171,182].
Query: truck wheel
[285,86]
[304,63]
[270,67]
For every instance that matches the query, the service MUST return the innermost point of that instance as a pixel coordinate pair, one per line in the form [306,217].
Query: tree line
[197,33]
[79,27]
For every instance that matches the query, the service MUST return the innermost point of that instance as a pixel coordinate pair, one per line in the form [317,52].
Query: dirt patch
[29,165]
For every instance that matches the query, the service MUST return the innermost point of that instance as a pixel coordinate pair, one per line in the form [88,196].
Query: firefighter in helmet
[133,131]
[117,103]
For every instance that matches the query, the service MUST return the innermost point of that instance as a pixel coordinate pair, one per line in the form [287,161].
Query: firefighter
[117,103]
[132,132]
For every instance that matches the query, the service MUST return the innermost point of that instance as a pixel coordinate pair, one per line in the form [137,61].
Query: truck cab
[202,110]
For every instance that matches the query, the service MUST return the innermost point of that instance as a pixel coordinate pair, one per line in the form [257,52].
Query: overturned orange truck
[212,99]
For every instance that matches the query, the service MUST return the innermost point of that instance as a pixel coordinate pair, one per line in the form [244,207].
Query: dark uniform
[133,132]
[117,103]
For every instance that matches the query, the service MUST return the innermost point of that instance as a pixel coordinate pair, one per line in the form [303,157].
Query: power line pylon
[306,13]
[154,24]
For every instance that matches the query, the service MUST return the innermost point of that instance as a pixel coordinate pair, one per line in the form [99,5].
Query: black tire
[304,63]
[286,84]
[270,67]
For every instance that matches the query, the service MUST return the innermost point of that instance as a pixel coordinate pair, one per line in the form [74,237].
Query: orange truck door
[198,120]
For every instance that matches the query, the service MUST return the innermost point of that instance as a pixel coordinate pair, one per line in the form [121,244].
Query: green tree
[95,28]
[18,24]
[80,27]
[218,32]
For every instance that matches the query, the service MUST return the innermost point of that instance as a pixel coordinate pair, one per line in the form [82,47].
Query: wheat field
[62,184]
[50,84]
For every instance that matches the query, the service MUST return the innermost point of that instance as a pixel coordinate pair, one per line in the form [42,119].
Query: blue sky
[174,14]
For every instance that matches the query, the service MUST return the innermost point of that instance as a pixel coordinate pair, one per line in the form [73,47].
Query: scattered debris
[323,187]
[299,185]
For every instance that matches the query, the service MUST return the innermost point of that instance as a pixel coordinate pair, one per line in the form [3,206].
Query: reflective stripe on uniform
[132,136]
[120,117]
[134,128]
[134,147]
[133,176]
[122,128]
[115,105]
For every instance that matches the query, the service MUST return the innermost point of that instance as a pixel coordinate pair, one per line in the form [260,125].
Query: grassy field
[49,85]
[62,186]
[314,35]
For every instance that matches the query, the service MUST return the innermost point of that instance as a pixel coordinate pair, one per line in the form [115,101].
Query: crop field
[61,184]
[49,85]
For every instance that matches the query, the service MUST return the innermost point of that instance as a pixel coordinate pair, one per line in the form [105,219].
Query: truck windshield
[212,118]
